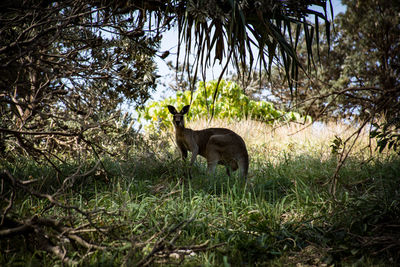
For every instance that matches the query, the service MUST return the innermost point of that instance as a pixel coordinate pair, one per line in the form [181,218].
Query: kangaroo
[217,145]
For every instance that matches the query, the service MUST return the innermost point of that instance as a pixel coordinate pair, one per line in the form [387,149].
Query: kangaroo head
[178,116]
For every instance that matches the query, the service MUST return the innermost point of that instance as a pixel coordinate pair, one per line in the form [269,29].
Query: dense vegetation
[140,209]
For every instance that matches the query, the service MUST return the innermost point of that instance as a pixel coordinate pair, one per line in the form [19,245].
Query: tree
[65,68]
[231,30]
[368,43]
[313,87]
[369,82]
[356,76]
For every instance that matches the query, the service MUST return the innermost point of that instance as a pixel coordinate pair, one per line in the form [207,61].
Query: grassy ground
[283,216]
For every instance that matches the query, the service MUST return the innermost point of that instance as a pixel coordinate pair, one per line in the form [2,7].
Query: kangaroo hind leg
[212,161]
[243,168]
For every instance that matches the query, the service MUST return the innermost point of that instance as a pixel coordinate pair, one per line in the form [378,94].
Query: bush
[230,103]
[387,135]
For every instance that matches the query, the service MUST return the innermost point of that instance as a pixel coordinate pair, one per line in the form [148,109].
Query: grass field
[149,213]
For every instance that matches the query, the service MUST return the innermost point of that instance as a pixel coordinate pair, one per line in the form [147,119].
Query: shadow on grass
[283,215]
[295,218]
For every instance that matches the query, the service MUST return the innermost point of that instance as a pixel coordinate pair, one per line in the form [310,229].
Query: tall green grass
[284,214]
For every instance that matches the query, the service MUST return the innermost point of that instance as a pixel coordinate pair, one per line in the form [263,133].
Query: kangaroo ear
[172,110]
[185,109]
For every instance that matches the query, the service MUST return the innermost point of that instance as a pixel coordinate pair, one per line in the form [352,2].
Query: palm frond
[251,33]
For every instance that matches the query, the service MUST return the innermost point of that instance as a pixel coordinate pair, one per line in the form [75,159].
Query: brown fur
[217,145]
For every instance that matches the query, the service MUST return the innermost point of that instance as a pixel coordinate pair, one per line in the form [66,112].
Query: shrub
[230,103]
